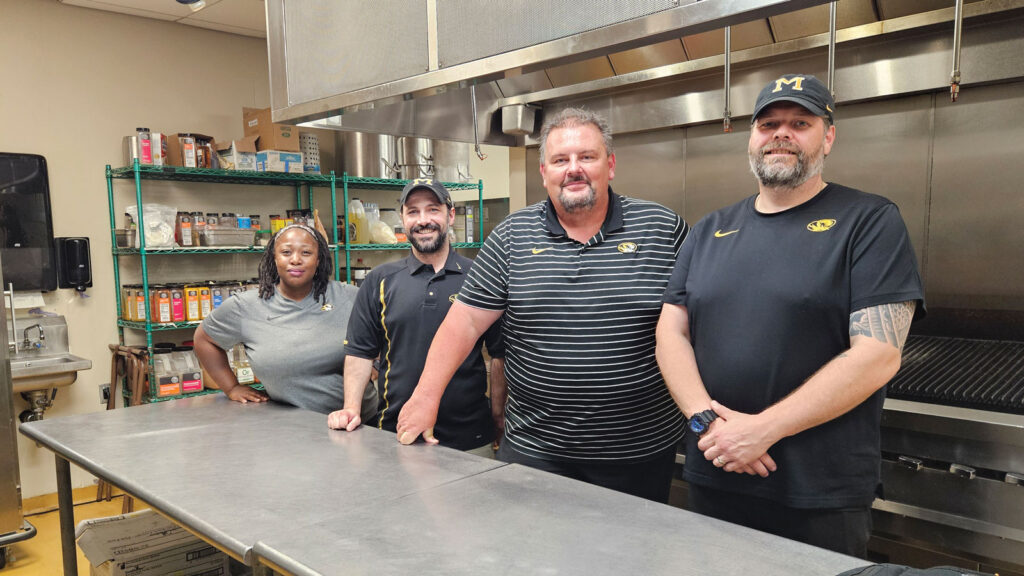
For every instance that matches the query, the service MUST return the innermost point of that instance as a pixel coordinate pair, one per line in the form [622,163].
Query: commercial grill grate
[982,374]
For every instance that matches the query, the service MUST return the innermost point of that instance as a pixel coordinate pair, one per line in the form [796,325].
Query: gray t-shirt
[296,348]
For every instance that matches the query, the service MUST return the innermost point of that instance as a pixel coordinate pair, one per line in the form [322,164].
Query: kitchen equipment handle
[1014,478]
[911,463]
[962,471]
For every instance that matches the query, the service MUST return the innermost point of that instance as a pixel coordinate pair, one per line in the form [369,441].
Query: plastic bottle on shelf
[358,225]
[243,371]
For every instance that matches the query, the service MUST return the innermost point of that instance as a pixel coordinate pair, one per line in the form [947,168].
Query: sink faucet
[39,341]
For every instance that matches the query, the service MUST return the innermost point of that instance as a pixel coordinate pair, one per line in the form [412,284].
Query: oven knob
[912,463]
[1015,478]
[962,471]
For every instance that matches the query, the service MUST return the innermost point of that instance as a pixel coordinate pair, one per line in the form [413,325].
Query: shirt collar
[451,265]
[612,218]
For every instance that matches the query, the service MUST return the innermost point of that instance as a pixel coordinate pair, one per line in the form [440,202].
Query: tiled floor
[41,554]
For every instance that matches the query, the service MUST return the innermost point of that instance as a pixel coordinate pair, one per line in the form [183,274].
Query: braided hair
[321,277]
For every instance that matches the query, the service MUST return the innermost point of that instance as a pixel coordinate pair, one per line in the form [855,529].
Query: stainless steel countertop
[517,520]
[234,473]
[272,481]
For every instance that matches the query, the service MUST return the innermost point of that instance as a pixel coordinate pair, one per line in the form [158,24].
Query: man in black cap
[784,319]
[396,314]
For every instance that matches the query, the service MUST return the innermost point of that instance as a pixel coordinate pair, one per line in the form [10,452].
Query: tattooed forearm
[885,323]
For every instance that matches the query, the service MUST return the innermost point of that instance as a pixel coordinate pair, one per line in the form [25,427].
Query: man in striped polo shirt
[579,279]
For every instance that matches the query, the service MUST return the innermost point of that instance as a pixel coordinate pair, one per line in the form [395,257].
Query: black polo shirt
[579,330]
[398,310]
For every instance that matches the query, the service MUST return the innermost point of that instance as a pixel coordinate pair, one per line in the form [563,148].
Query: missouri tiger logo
[452,298]
[627,247]
[821,225]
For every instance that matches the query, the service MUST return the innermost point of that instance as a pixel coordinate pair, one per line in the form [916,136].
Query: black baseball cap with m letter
[803,89]
[427,184]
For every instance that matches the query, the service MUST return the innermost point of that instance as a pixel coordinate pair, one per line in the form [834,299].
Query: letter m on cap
[424,181]
[796,81]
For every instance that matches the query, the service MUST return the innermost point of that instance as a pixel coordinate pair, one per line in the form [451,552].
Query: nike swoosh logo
[720,234]
[539,250]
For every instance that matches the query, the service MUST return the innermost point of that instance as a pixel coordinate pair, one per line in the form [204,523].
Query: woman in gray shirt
[292,328]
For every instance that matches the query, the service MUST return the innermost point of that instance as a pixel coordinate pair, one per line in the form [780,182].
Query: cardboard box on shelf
[281,137]
[279,161]
[178,155]
[238,154]
[146,544]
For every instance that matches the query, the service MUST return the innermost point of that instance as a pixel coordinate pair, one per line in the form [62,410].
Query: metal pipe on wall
[727,120]
[832,49]
[958,27]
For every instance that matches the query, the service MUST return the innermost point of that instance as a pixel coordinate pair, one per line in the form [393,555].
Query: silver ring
[720,461]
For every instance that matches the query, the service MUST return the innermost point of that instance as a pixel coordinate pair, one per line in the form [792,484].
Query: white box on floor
[146,544]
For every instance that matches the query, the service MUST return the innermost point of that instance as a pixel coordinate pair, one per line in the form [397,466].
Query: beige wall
[74,81]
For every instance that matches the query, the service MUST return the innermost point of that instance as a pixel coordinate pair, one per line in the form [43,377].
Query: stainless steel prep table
[234,473]
[270,482]
[516,520]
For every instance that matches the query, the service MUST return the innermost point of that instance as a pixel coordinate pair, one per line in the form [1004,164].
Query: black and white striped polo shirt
[579,330]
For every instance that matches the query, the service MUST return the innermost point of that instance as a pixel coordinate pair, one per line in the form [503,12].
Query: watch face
[697,425]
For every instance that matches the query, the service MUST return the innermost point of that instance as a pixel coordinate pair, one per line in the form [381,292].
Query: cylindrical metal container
[451,161]
[415,157]
[368,155]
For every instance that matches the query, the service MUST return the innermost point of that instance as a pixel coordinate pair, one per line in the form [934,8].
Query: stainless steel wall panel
[976,243]
[652,166]
[897,8]
[524,83]
[373,43]
[883,148]
[10,475]
[717,173]
[466,28]
[660,54]
[814,20]
[712,43]
[577,72]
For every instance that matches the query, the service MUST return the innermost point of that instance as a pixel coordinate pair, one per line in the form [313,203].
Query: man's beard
[782,174]
[576,203]
[427,246]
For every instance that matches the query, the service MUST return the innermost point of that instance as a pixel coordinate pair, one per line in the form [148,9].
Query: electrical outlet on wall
[104,393]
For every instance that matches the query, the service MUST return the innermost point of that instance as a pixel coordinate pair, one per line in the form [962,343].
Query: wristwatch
[700,421]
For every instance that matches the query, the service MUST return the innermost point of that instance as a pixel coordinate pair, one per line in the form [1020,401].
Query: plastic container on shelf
[168,380]
[358,226]
[187,365]
[227,237]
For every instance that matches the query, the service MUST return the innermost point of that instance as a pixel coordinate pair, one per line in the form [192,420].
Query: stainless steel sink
[33,371]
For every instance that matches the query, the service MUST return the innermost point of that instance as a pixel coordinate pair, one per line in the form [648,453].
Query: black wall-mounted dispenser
[74,269]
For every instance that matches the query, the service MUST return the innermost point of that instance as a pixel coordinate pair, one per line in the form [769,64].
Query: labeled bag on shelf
[159,221]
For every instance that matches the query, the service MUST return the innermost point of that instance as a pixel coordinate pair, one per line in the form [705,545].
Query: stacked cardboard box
[146,544]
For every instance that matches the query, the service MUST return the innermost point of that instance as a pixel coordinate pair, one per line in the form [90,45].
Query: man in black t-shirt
[784,319]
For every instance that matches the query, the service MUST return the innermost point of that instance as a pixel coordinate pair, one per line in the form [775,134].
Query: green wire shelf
[405,246]
[393,183]
[177,173]
[201,250]
[155,327]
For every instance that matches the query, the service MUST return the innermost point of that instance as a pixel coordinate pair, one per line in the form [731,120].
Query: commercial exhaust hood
[481,71]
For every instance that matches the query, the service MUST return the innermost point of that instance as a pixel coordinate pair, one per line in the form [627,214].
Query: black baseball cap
[803,89]
[427,184]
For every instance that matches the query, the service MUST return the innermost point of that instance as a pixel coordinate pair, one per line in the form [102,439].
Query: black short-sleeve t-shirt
[398,310]
[769,297]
